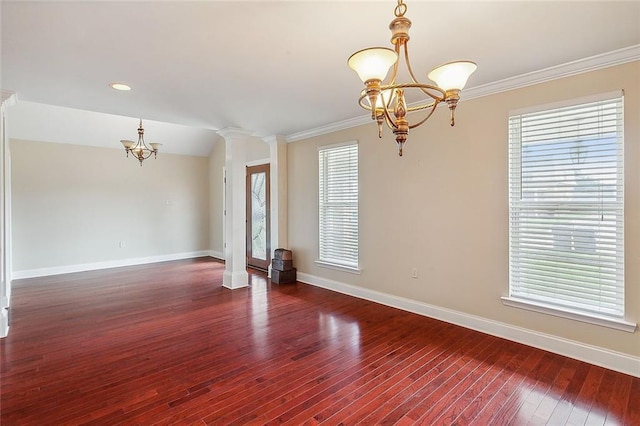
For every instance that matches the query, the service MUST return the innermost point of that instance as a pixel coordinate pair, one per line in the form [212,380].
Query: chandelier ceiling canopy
[386,100]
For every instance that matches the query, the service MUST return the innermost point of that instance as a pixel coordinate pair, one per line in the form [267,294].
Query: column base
[4,322]
[234,280]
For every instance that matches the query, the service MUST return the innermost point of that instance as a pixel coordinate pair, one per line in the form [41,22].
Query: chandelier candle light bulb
[372,66]
[373,63]
[452,78]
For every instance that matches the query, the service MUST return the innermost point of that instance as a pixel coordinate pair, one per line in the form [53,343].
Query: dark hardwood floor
[166,344]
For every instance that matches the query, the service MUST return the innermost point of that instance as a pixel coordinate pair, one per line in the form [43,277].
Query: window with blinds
[338,203]
[566,207]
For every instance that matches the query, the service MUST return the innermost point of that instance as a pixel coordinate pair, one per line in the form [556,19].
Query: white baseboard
[4,322]
[592,354]
[42,272]
[216,254]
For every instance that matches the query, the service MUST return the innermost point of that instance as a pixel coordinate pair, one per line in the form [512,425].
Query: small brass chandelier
[372,66]
[140,150]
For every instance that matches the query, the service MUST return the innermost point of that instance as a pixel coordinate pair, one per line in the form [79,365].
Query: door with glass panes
[258,207]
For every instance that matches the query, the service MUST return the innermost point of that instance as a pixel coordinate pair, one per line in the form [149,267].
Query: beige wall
[74,204]
[443,208]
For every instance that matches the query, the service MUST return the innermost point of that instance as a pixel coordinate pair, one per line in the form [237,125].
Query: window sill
[338,267]
[618,324]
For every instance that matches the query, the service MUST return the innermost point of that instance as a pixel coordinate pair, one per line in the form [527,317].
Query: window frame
[519,300]
[323,205]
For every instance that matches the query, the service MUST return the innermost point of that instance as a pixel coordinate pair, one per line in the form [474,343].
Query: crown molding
[592,63]
[329,128]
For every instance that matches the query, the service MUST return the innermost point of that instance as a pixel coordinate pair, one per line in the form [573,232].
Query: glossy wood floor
[166,344]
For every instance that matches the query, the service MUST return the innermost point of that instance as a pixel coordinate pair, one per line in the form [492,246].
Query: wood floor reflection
[166,343]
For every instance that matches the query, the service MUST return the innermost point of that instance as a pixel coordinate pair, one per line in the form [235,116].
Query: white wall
[443,208]
[216,203]
[73,205]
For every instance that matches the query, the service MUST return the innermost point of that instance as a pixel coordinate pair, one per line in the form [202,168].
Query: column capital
[274,139]
[230,133]
[8,97]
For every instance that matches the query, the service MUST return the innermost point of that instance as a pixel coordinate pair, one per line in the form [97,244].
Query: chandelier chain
[387,102]
[400,9]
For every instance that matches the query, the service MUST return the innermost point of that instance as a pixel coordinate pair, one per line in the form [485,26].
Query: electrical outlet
[121,244]
[414,272]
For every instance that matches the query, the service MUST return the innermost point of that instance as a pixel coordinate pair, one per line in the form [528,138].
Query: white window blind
[566,207]
[338,202]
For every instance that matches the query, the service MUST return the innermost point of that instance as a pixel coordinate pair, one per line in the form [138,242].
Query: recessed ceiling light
[120,86]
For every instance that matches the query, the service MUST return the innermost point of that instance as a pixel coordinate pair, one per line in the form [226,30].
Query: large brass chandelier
[140,150]
[386,101]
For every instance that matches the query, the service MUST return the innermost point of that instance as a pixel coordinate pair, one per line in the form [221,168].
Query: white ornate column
[279,196]
[235,250]
[6,99]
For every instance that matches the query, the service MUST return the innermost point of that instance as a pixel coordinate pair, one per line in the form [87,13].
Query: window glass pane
[258,216]
[566,207]
[338,204]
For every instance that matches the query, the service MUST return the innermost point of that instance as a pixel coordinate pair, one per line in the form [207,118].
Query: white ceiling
[273,67]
